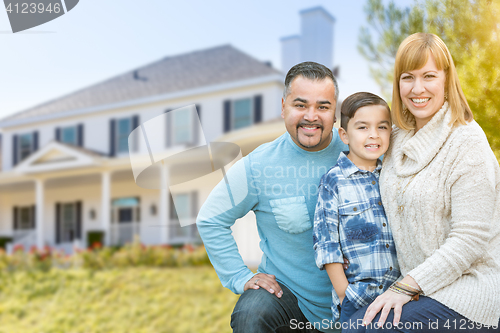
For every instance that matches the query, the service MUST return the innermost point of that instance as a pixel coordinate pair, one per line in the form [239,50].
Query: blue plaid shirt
[350,222]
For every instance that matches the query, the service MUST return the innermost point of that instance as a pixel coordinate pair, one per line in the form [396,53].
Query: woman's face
[422,91]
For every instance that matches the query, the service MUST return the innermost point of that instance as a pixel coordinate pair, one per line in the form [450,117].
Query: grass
[135,299]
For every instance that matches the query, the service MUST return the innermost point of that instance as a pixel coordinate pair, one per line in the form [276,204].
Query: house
[66,170]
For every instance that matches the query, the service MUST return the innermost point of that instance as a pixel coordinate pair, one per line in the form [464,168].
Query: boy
[349,220]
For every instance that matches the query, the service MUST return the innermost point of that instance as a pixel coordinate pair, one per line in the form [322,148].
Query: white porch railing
[121,233]
[69,247]
[182,235]
[25,238]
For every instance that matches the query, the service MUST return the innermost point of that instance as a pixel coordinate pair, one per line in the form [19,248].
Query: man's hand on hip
[265,281]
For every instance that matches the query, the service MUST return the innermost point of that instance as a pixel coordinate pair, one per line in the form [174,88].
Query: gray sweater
[441,191]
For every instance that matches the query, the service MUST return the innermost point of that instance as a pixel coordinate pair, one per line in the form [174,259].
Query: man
[288,293]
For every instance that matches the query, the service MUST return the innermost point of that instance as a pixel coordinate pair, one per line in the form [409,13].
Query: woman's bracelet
[403,288]
[400,291]
[411,288]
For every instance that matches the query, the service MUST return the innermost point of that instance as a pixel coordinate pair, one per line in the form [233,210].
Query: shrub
[98,257]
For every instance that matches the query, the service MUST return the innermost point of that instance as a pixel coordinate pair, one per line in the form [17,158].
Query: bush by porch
[96,257]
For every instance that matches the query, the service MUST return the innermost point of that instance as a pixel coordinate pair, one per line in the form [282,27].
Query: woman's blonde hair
[412,54]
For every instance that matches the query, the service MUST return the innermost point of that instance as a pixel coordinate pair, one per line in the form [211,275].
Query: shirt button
[400,208]
[387,245]
[379,203]
[381,287]
[384,224]
[374,182]
[390,268]
[354,209]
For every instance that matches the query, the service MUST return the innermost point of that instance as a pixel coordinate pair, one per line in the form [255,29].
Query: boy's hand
[266,281]
[345,265]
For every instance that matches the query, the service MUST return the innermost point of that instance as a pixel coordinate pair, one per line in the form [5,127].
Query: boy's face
[367,135]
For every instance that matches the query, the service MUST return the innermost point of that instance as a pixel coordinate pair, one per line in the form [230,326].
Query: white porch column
[39,183]
[164,207]
[105,206]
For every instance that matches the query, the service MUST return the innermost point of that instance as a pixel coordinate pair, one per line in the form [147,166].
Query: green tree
[470,29]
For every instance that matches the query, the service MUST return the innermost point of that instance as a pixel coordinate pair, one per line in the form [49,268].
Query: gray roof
[171,74]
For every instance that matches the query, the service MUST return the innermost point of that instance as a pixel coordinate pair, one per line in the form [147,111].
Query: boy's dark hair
[312,71]
[356,101]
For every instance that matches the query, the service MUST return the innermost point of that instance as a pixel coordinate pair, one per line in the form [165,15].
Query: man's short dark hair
[312,71]
[356,101]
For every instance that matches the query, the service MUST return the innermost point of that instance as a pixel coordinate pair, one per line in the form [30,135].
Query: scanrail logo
[26,14]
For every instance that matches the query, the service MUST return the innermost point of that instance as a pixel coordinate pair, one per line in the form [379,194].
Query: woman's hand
[385,302]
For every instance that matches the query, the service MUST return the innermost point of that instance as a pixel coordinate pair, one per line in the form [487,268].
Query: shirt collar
[348,168]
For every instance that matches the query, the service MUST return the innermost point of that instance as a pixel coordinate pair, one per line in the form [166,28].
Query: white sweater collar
[414,151]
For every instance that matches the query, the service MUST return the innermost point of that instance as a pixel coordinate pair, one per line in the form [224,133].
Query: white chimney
[315,42]
[290,52]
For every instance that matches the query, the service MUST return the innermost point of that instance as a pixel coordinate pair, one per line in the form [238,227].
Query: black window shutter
[58,134]
[227,116]
[112,138]
[33,216]
[14,150]
[78,220]
[257,109]
[194,204]
[35,141]
[15,217]
[58,223]
[135,124]
[168,124]
[79,132]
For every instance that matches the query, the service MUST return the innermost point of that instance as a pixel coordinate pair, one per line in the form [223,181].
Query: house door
[125,214]
[125,220]
[68,222]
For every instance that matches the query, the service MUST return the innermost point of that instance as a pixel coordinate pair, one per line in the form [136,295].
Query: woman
[440,188]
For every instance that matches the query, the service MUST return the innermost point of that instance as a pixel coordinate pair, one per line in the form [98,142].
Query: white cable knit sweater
[441,192]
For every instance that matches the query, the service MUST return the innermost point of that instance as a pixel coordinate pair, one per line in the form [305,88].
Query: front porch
[43,203]
[72,209]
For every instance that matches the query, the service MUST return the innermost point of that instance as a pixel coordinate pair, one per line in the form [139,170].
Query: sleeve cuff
[239,286]
[328,253]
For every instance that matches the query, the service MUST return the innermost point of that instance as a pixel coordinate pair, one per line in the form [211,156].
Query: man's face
[309,112]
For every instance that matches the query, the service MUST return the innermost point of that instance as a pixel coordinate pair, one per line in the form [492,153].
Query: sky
[99,39]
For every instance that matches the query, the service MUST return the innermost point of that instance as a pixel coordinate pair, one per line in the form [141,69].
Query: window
[72,135]
[123,129]
[183,128]
[25,218]
[68,219]
[182,206]
[119,132]
[183,216]
[242,113]
[68,135]
[25,145]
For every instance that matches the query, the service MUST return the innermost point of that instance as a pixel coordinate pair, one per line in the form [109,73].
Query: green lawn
[119,300]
